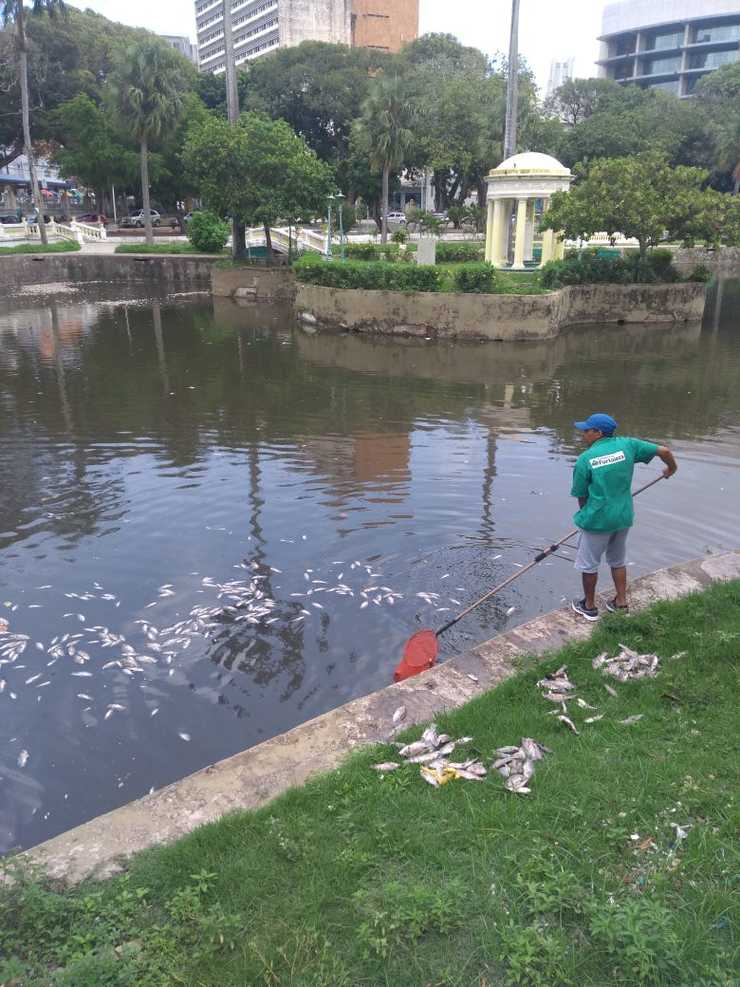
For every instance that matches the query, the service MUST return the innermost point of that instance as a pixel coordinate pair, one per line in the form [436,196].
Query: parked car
[9,219]
[397,217]
[93,218]
[137,218]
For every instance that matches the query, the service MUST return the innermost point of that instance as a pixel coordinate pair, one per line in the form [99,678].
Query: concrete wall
[253,283]
[174,271]
[389,24]
[314,20]
[725,261]
[640,303]
[498,317]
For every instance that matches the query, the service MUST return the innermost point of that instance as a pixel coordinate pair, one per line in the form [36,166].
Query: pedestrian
[602,482]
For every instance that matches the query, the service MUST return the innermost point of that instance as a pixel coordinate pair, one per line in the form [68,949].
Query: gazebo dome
[532,162]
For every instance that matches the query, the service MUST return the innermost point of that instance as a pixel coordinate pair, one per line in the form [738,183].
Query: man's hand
[670,463]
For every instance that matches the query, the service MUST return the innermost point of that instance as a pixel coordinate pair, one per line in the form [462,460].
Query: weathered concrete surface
[253,284]
[181,270]
[725,260]
[255,776]
[499,317]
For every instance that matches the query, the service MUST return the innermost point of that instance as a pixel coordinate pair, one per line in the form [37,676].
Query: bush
[700,273]
[372,251]
[449,252]
[477,278]
[400,236]
[591,267]
[207,232]
[380,276]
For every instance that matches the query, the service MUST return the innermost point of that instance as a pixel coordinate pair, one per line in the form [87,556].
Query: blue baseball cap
[604,423]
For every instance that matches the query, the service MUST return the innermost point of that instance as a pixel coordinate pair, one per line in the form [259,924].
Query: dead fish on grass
[516,765]
[632,719]
[628,664]
[568,722]
[385,766]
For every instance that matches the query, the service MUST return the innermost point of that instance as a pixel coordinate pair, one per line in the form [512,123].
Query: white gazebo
[513,187]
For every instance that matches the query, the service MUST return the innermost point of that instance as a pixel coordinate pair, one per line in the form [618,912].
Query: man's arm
[666,455]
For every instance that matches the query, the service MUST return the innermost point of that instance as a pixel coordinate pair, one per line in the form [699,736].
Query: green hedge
[590,267]
[207,232]
[377,251]
[381,276]
[475,278]
[459,251]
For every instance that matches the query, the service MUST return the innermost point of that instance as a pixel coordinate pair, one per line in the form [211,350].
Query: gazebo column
[500,239]
[529,240]
[490,230]
[520,243]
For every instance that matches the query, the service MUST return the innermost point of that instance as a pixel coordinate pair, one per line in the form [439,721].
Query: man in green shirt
[602,482]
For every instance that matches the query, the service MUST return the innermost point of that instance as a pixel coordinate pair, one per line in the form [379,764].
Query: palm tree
[15,12]
[386,125]
[149,82]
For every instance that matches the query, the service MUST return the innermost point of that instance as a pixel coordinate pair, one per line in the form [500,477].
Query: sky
[549,29]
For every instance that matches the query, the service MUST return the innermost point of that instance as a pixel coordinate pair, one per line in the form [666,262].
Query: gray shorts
[593,544]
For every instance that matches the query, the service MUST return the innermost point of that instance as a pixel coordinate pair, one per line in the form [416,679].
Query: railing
[78,232]
[15,231]
[617,240]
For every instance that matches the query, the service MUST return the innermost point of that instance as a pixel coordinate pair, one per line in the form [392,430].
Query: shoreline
[253,777]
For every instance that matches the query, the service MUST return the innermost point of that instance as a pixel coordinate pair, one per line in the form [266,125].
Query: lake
[215,525]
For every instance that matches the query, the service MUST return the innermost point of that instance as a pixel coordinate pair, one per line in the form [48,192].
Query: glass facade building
[668,44]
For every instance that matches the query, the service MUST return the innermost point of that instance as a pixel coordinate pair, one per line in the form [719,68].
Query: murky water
[153,450]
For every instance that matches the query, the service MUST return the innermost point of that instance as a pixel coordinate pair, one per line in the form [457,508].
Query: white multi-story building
[261,26]
[560,72]
[668,44]
[182,44]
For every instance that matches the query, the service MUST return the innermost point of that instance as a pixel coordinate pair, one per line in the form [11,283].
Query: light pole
[342,244]
[329,199]
[512,89]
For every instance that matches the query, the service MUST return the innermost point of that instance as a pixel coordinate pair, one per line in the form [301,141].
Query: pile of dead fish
[431,753]
[559,689]
[516,764]
[628,664]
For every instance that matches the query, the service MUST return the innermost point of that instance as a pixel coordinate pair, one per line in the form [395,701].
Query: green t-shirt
[603,474]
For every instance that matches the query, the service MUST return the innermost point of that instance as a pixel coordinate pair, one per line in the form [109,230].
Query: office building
[261,26]
[668,44]
[560,72]
[184,45]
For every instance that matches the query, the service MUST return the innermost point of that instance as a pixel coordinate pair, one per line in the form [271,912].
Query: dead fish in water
[631,719]
[385,766]
[568,722]
[399,715]
[184,736]
[23,757]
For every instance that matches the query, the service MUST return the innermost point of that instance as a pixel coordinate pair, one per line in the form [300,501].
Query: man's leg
[590,579]
[616,557]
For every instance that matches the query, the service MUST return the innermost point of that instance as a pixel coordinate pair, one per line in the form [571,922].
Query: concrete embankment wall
[255,776]
[177,271]
[724,262]
[498,317]
[253,284]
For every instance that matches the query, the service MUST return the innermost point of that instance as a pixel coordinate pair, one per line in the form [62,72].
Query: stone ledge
[253,777]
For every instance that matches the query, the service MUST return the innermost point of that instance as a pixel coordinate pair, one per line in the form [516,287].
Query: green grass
[358,881]
[57,247]
[507,282]
[158,248]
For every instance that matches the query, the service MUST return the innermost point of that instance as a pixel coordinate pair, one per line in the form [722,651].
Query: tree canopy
[258,172]
[643,197]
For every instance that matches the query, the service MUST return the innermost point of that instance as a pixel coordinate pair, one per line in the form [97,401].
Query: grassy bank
[158,248]
[362,880]
[57,247]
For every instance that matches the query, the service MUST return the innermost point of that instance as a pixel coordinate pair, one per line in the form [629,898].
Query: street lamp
[339,198]
[330,198]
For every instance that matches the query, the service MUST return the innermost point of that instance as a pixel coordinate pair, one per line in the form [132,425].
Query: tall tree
[91,149]
[259,171]
[578,99]
[718,96]
[149,82]
[15,12]
[643,197]
[385,128]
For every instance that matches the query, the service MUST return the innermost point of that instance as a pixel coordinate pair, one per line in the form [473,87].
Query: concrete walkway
[248,780]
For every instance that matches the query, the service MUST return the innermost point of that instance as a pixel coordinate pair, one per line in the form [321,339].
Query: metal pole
[232,111]
[341,231]
[512,90]
[328,236]
[113,197]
